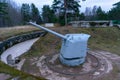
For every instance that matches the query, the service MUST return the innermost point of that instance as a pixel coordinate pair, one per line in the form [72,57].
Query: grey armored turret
[74,47]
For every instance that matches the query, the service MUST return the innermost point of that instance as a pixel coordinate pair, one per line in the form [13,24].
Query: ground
[7,72]
[104,40]
[108,70]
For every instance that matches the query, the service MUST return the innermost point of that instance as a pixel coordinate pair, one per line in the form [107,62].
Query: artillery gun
[73,50]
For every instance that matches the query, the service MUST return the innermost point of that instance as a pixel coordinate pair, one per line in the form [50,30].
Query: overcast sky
[105,4]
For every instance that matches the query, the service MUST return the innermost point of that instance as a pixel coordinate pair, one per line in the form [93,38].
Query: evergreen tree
[25,11]
[35,15]
[3,13]
[117,4]
[66,8]
[81,16]
[114,13]
[101,15]
[71,6]
[48,14]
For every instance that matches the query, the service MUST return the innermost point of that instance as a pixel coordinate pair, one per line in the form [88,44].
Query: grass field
[16,73]
[9,32]
[101,39]
[12,31]
[107,39]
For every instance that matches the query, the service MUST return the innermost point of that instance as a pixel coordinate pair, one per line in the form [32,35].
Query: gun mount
[74,47]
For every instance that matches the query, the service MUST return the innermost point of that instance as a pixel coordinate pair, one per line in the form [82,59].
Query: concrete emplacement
[74,47]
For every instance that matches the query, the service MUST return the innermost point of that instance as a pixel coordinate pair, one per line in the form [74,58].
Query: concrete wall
[49,24]
[91,23]
[20,38]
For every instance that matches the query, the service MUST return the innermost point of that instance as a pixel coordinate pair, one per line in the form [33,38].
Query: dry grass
[112,76]
[11,31]
[16,73]
[101,38]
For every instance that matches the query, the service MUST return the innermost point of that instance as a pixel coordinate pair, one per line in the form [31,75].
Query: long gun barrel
[48,30]
[71,43]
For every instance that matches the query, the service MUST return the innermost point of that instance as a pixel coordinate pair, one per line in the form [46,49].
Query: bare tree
[10,14]
[14,13]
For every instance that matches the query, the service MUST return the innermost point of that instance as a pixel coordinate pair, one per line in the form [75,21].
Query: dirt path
[107,61]
[4,76]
